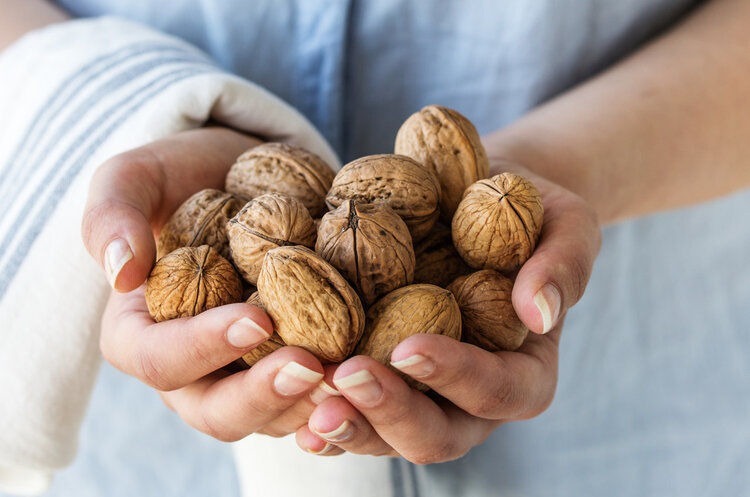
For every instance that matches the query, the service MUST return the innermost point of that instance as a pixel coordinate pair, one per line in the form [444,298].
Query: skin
[664,128]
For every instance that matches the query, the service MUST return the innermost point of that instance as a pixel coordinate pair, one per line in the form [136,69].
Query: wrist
[525,148]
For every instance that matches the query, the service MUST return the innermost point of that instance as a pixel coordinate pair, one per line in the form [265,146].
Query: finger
[310,442]
[243,403]
[504,385]
[405,419]
[337,422]
[325,388]
[290,420]
[116,229]
[555,276]
[173,353]
[135,192]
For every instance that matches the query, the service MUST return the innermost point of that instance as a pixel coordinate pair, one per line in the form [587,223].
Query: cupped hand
[131,197]
[473,391]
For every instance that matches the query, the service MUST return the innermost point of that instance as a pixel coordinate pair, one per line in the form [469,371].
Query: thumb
[116,226]
[555,277]
[138,190]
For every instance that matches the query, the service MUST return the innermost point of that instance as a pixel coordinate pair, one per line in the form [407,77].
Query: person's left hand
[377,413]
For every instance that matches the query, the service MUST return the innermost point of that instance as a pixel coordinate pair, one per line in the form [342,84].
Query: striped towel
[71,96]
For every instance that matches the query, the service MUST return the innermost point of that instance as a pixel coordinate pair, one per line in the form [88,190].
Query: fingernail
[360,386]
[295,378]
[116,255]
[322,392]
[341,434]
[417,366]
[328,448]
[548,302]
[245,333]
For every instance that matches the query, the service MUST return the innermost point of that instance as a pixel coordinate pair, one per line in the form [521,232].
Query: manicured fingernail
[341,434]
[295,378]
[322,392]
[548,302]
[360,386]
[116,255]
[245,333]
[416,365]
[328,448]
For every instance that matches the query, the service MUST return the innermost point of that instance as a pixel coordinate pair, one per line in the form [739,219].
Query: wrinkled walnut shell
[370,245]
[200,220]
[408,188]
[437,261]
[405,312]
[498,222]
[190,280]
[282,168]
[488,317]
[311,304]
[445,141]
[266,222]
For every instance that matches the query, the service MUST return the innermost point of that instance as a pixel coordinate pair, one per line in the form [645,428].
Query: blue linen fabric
[653,393]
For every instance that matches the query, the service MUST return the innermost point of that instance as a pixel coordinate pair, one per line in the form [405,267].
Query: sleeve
[71,96]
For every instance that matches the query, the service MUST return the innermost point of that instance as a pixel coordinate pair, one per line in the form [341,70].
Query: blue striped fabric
[44,122]
[135,85]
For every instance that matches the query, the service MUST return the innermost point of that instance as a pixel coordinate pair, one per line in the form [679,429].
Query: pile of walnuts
[419,241]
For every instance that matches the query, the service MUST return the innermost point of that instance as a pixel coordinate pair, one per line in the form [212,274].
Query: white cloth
[72,95]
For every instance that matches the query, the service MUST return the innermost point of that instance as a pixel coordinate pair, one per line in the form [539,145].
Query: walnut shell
[498,222]
[405,312]
[278,167]
[370,245]
[266,348]
[489,319]
[311,304]
[266,222]
[408,188]
[437,261]
[200,220]
[190,280]
[445,141]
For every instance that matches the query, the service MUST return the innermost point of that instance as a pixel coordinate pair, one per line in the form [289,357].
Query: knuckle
[152,373]
[505,397]
[436,453]
[92,219]
[486,407]
[579,276]
[197,355]
[216,429]
[398,414]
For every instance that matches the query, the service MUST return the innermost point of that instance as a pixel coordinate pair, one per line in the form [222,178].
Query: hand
[131,196]
[379,414]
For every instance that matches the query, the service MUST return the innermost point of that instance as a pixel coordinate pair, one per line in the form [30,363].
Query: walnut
[498,222]
[266,222]
[370,245]
[311,304]
[200,220]
[445,141]
[408,188]
[277,167]
[404,312]
[190,280]
[437,261]
[489,319]
[266,348]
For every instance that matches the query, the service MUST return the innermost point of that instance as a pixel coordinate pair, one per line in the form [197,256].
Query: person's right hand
[131,197]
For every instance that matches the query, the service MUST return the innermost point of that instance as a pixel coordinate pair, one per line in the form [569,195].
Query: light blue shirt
[653,395]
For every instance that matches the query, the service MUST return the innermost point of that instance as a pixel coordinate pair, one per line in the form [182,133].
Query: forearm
[21,16]
[667,127]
